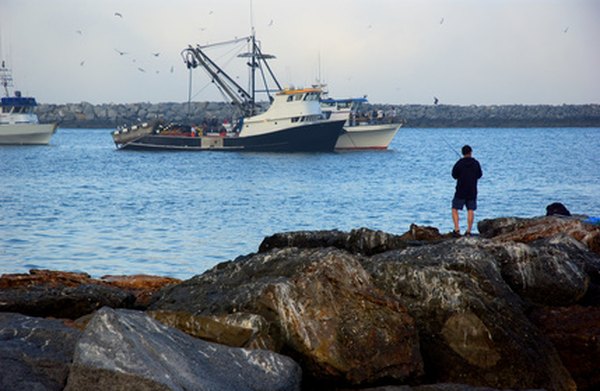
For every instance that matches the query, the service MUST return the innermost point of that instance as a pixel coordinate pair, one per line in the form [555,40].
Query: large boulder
[35,353]
[555,271]
[127,350]
[472,326]
[72,295]
[575,332]
[321,305]
[524,230]
[358,241]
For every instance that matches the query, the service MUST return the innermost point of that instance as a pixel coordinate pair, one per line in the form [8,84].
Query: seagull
[565,30]
[442,21]
[141,70]
[118,14]
[210,12]
[172,68]
[120,52]
[370,26]
[435,100]
[81,63]
[156,54]
[79,32]
[271,23]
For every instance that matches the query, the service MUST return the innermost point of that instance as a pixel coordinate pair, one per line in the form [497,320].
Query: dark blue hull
[316,137]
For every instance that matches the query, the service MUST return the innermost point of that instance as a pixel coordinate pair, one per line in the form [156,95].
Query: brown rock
[71,295]
[529,230]
[142,286]
[472,326]
[204,327]
[575,332]
[320,303]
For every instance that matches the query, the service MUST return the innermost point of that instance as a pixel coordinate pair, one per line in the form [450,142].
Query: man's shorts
[458,203]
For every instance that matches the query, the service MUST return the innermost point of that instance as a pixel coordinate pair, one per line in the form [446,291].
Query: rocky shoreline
[87,115]
[515,308]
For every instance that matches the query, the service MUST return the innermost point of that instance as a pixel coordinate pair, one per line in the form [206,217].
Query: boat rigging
[244,99]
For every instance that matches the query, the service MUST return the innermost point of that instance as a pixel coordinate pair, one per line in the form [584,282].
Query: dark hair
[466,150]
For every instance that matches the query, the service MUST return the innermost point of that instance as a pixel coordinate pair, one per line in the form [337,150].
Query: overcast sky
[395,51]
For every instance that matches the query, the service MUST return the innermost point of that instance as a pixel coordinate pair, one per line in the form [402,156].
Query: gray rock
[63,301]
[35,353]
[321,305]
[127,350]
[555,271]
[472,326]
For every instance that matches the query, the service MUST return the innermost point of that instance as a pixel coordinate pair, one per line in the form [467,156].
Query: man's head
[466,150]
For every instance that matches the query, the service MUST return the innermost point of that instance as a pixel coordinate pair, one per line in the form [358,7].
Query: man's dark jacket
[466,171]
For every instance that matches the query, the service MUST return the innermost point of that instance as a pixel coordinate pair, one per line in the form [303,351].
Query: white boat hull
[367,137]
[26,134]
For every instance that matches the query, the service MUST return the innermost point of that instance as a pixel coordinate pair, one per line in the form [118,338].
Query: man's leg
[470,219]
[455,220]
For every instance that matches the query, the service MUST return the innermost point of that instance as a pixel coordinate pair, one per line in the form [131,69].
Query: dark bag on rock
[557,208]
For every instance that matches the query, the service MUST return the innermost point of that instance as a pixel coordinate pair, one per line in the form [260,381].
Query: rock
[556,271]
[575,332]
[143,287]
[127,350]
[320,303]
[358,241]
[528,230]
[472,326]
[204,327]
[72,295]
[35,353]
[62,301]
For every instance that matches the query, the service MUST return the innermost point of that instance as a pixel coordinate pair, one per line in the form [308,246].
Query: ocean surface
[81,205]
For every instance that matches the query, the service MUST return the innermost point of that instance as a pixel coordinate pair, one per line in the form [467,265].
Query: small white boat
[359,133]
[19,124]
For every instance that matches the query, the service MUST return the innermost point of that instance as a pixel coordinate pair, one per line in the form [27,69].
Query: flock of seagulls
[210,12]
[124,53]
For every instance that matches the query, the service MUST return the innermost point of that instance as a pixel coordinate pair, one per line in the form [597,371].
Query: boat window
[298,97]
[290,98]
[295,119]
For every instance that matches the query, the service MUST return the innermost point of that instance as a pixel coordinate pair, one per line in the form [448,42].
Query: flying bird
[435,100]
[271,23]
[118,14]
[172,68]
[442,21]
[565,30]
[120,52]
[81,63]
[210,12]
[141,70]
[79,32]
[156,54]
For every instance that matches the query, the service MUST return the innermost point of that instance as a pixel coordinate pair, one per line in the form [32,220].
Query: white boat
[19,124]
[360,133]
[293,122]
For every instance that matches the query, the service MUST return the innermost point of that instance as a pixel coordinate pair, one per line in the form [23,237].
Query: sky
[463,52]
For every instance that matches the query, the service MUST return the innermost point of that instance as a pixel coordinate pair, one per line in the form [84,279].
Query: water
[80,205]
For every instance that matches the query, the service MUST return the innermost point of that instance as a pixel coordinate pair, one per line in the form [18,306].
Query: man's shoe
[456,234]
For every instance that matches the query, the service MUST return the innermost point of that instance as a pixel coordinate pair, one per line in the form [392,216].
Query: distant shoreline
[87,115]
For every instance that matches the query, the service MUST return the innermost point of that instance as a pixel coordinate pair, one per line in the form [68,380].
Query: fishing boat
[368,132]
[293,122]
[19,124]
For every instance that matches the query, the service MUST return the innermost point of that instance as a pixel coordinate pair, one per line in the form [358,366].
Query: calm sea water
[80,205]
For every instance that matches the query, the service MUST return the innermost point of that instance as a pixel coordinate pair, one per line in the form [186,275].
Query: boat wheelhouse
[19,124]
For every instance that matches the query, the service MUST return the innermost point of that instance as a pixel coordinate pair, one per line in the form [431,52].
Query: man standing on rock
[466,171]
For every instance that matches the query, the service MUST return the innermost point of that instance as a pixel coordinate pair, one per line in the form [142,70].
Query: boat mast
[5,78]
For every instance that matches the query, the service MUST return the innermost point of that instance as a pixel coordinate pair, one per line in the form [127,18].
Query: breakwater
[516,308]
[109,115]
